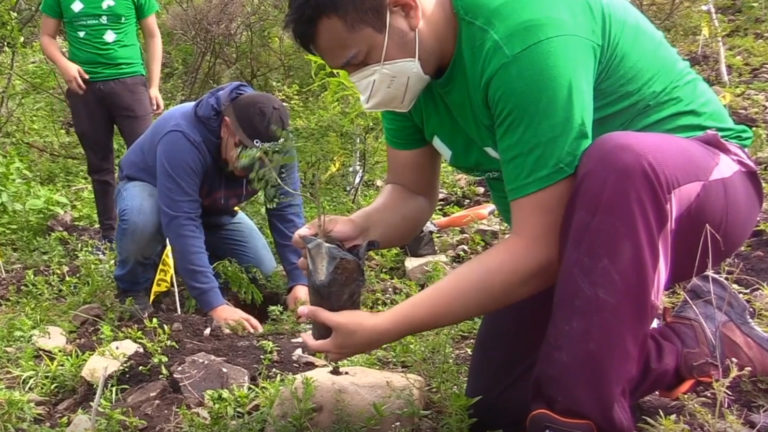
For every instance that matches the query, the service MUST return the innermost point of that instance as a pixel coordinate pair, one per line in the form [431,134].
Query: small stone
[297,340]
[299,357]
[462,250]
[177,327]
[52,339]
[87,313]
[489,233]
[417,268]
[144,393]
[81,423]
[124,348]
[67,405]
[207,332]
[37,400]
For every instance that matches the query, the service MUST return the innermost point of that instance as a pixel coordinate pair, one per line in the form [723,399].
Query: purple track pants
[648,210]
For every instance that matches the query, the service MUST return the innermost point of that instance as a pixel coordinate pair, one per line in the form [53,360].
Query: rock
[202,372]
[81,423]
[299,357]
[417,268]
[52,339]
[462,250]
[111,361]
[177,327]
[86,313]
[61,222]
[67,405]
[98,365]
[124,348]
[488,232]
[144,393]
[347,399]
[37,400]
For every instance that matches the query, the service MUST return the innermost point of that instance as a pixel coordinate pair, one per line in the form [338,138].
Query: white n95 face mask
[393,85]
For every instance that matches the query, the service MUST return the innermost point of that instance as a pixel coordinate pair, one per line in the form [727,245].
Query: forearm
[154,52]
[396,216]
[511,271]
[52,50]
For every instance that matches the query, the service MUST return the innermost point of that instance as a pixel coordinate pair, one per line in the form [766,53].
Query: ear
[410,9]
[226,125]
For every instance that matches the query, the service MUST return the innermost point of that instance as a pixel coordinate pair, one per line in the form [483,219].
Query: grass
[61,274]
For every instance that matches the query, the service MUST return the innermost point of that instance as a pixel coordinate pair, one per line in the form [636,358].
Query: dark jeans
[120,102]
[648,211]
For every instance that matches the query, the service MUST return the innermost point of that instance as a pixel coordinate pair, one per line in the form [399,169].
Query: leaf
[34,204]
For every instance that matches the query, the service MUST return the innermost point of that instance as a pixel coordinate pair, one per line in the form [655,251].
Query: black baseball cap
[258,118]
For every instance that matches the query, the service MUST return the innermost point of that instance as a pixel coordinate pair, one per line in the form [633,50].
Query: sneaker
[103,247]
[713,326]
[547,421]
[138,304]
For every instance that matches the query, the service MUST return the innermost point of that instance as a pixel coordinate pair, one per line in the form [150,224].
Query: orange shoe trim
[685,387]
[565,419]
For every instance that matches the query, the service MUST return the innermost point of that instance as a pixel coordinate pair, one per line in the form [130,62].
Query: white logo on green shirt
[107,3]
[77,6]
[110,36]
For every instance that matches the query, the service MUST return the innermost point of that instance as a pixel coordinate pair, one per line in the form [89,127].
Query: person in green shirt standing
[616,166]
[107,84]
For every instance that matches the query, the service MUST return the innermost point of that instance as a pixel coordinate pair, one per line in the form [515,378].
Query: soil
[239,350]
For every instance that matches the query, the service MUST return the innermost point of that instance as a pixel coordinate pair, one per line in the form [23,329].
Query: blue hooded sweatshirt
[180,154]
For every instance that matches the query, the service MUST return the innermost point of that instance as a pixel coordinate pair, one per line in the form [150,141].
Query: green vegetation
[50,271]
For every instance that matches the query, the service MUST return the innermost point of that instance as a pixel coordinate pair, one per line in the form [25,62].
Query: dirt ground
[239,350]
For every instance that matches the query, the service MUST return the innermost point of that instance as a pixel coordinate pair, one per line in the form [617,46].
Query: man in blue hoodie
[181,181]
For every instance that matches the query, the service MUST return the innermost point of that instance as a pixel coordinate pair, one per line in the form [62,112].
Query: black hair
[303,15]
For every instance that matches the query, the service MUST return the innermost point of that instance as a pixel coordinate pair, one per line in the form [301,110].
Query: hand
[354,332]
[342,228]
[73,75]
[299,296]
[227,315]
[156,101]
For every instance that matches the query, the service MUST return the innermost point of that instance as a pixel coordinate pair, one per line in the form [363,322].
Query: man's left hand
[156,101]
[299,296]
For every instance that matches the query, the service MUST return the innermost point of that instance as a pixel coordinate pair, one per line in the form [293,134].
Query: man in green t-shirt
[619,170]
[106,83]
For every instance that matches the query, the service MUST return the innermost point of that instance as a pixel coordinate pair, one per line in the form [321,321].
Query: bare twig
[710,7]
[96,401]
[42,149]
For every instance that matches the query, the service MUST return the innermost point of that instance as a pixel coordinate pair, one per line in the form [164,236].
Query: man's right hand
[230,316]
[73,75]
[344,229]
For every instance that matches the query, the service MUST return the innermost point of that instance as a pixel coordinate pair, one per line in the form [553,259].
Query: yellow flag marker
[704,28]
[165,275]
[725,98]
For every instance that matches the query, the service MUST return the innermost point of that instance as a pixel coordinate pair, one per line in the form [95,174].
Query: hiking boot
[138,304]
[713,326]
[547,421]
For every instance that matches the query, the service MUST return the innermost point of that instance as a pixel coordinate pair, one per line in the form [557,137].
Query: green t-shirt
[533,83]
[103,34]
